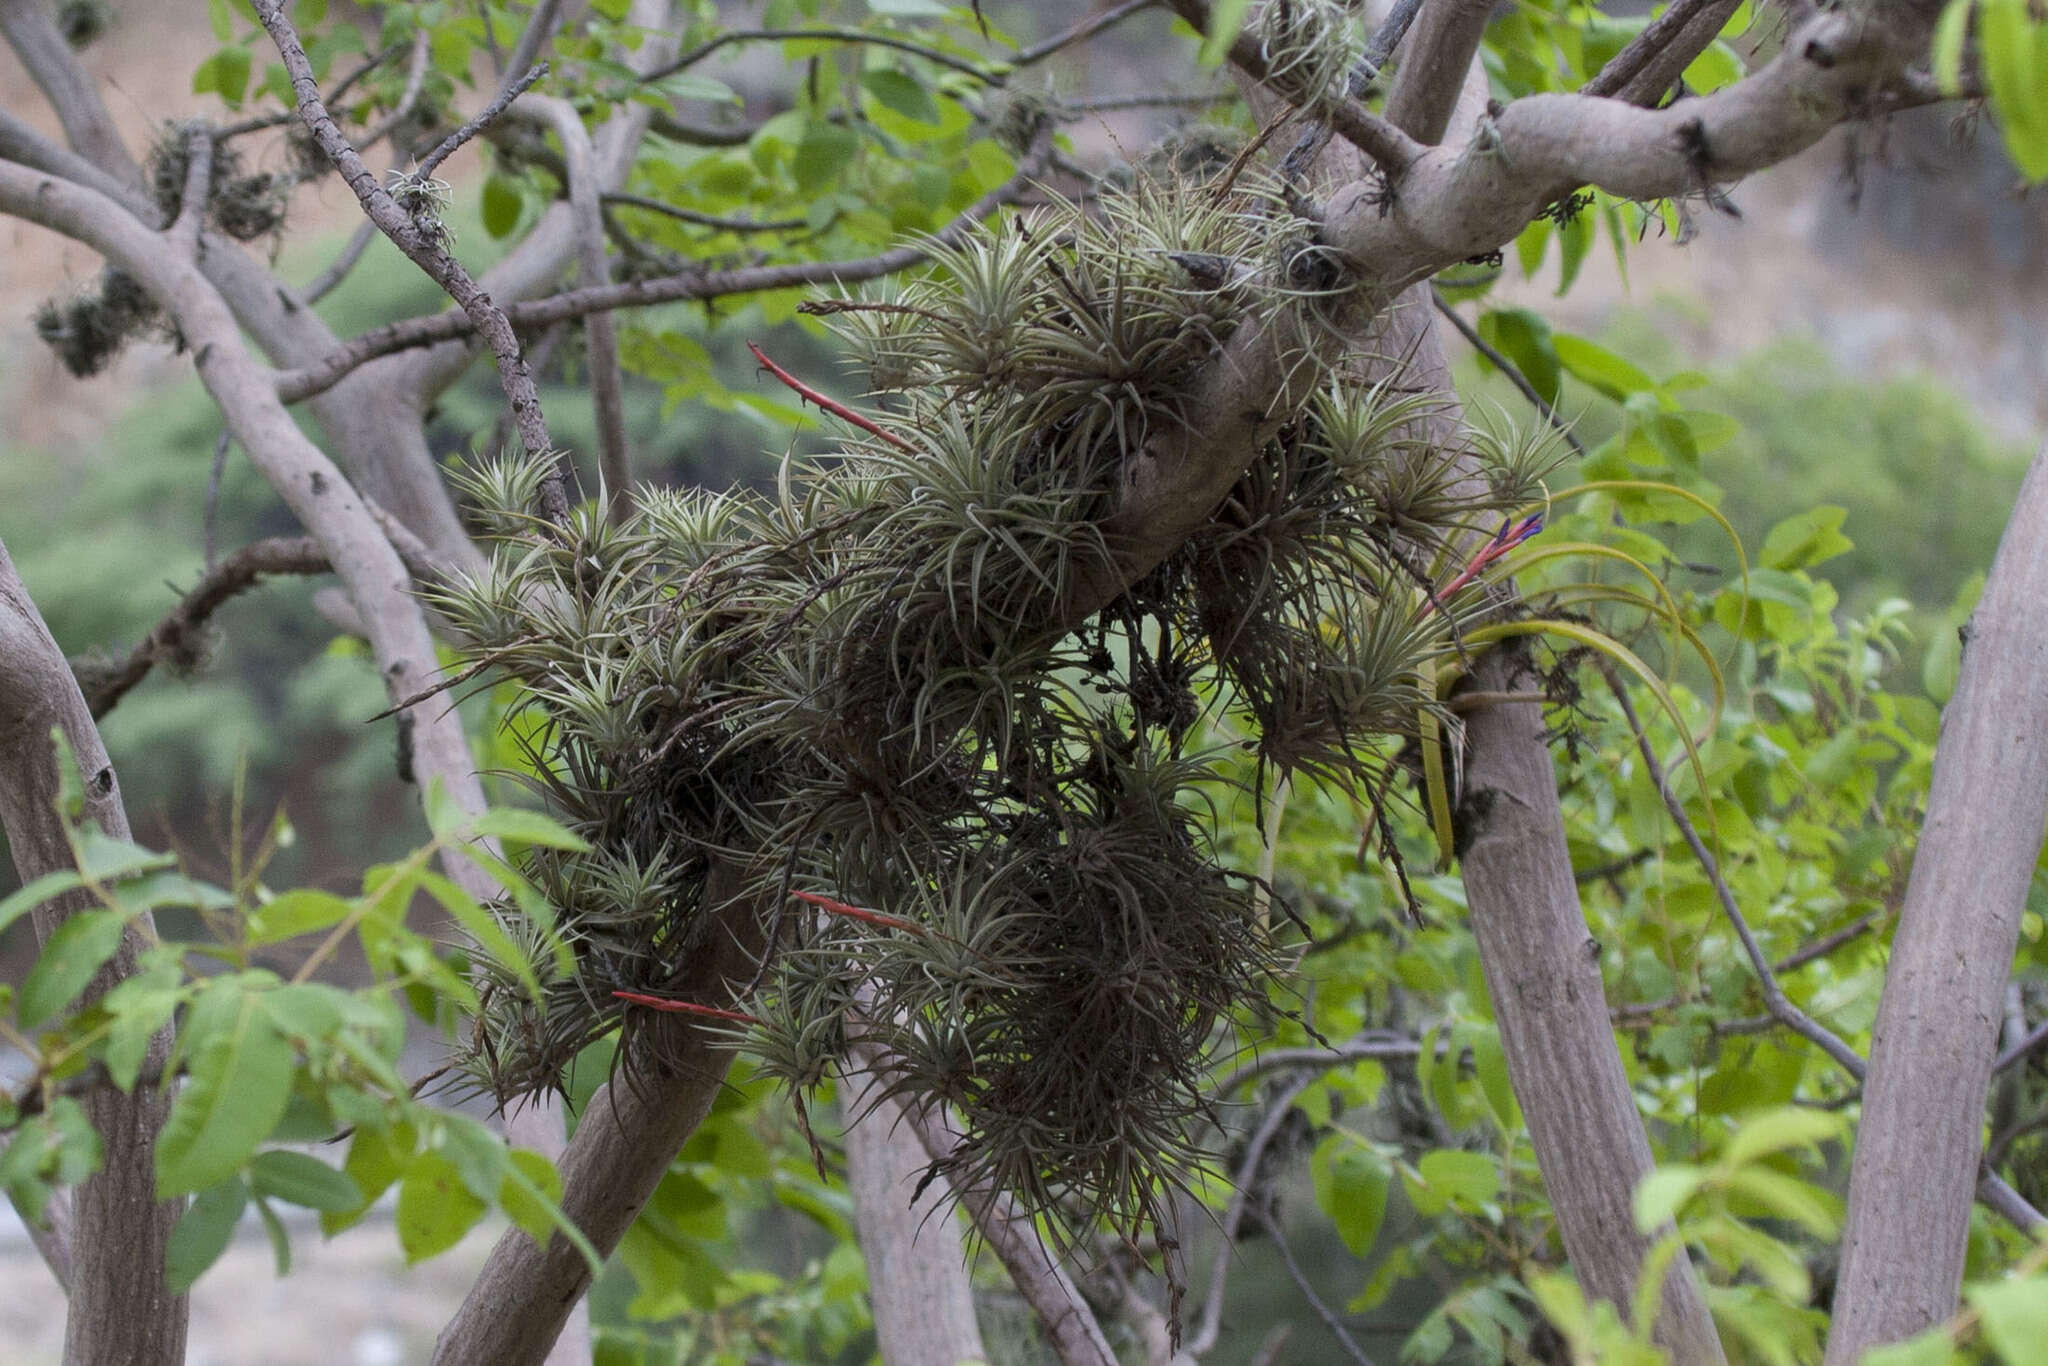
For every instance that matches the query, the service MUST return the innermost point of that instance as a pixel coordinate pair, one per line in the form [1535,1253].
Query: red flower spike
[686,1008]
[832,406]
[887,922]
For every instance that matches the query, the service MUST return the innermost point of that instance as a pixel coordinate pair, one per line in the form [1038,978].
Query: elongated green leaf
[239,1079]
[483,928]
[204,1231]
[77,950]
[299,1179]
[528,827]
[1660,1195]
[1776,1130]
[300,911]
[36,893]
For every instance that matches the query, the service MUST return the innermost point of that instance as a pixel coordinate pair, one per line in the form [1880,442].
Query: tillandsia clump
[91,327]
[962,830]
[244,205]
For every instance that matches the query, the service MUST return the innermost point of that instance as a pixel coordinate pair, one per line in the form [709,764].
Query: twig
[1379,1045]
[483,120]
[704,220]
[1508,368]
[1775,1001]
[1329,1316]
[358,242]
[540,27]
[694,283]
[2022,1049]
[1079,33]
[675,1007]
[824,35]
[1827,944]
[1210,1326]
[172,636]
[425,244]
[347,83]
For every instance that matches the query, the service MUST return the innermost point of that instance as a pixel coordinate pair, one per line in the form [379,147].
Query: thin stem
[1316,1302]
[1079,33]
[1508,368]
[825,35]
[1775,1000]
[703,220]
[358,242]
[483,120]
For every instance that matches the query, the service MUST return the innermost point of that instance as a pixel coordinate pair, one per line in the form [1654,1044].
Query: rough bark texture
[1919,1142]
[917,1273]
[121,1309]
[1543,975]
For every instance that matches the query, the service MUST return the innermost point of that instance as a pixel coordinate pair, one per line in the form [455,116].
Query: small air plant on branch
[854,723]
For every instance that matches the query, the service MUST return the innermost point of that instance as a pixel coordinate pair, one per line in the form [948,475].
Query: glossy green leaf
[1351,1183]
[1525,339]
[434,1208]
[238,1081]
[300,1179]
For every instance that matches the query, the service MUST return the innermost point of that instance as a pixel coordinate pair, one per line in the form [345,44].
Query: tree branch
[172,639]
[1932,1048]
[420,236]
[1508,368]
[704,49]
[1434,60]
[295,385]
[121,1306]
[31,30]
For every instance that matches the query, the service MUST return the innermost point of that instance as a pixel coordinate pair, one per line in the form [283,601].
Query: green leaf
[1931,1348]
[35,893]
[225,73]
[203,1232]
[222,19]
[2014,1314]
[825,151]
[529,827]
[299,1179]
[1453,1177]
[376,1158]
[484,929]
[501,205]
[1574,240]
[1664,1192]
[1524,337]
[687,85]
[1787,1197]
[238,1082]
[2014,63]
[531,1199]
[302,910]
[1351,1184]
[280,1241]
[1226,21]
[434,1208]
[1593,364]
[1786,1127]
[903,94]
[1950,36]
[75,951]
[1490,1064]
[1806,539]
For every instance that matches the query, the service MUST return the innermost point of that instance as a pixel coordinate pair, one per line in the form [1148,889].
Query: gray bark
[121,1307]
[917,1271]
[1919,1142]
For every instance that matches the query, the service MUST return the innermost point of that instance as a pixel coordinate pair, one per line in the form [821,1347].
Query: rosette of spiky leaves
[864,688]
[1062,988]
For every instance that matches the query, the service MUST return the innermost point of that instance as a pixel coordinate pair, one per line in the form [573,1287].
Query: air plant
[849,726]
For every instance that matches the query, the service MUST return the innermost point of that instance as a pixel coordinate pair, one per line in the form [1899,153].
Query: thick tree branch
[1434,59]
[1932,1048]
[1669,34]
[30,28]
[121,1306]
[917,1272]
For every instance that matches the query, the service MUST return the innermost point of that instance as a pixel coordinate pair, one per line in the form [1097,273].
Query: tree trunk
[1921,1135]
[121,1309]
[917,1270]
